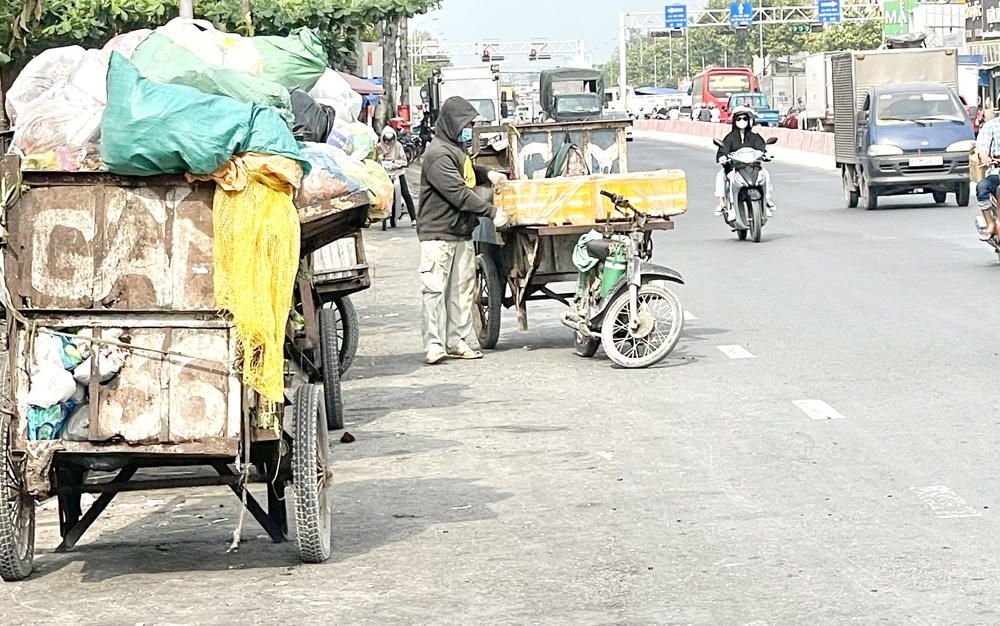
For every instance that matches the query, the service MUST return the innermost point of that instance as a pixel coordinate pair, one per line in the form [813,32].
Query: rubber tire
[349,332]
[488,333]
[868,198]
[963,195]
[585,347]
[16,555]
[851,195]
[741,235]
[620,304]
[756,210]
[334,399]
[313,505]
[939,197]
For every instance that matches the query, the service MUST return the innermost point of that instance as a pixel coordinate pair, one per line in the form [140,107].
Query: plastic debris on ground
[326,180]
[151,128]
[160,59]
[298,60]
[577,200]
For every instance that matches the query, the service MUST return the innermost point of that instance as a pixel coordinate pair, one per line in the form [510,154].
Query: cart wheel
[489,293]
[311,475]
[586,346]
[348,331]
[331,368]
[17,511]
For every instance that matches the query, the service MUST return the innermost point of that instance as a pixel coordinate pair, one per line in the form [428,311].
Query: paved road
[534,487]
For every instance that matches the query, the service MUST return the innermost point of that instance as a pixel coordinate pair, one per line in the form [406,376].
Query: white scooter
[746,194]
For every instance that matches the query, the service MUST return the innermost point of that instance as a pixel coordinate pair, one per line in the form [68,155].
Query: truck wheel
[939,196]
[869,196]
[962,195]
[850,192]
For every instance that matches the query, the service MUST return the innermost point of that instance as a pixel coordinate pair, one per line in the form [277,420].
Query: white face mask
[741,124]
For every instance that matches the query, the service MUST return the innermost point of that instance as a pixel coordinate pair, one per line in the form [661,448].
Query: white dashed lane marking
[946,503]
[818,410]
[735,352]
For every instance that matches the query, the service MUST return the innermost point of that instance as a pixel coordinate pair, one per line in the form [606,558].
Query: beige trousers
[448,284]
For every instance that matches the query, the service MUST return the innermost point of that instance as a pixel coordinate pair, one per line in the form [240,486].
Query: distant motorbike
[981,220]
[624,306]
[413,146]
[745,191]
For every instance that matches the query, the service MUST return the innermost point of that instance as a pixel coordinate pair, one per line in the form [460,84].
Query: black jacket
[449,209]
[740,139]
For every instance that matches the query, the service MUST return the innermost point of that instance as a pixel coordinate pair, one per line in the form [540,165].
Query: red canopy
[362,86]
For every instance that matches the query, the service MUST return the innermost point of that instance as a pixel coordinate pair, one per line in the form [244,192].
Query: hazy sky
[594,21]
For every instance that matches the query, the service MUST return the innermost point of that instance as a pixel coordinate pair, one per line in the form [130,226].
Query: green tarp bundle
[160,59]
[153,128]
[297,60]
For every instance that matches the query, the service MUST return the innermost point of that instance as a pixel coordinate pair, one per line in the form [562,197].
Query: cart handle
[619,201]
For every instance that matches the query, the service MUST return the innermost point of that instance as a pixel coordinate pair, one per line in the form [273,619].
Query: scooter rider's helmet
[743,113]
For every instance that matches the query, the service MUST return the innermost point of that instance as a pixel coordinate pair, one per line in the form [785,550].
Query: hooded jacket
[740,139]
[449,209]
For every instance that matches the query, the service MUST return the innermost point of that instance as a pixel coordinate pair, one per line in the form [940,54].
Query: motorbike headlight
[962,146]
[883,149]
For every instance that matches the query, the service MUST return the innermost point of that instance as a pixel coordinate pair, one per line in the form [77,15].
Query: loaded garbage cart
[162,204]
[563,178]
[110,282]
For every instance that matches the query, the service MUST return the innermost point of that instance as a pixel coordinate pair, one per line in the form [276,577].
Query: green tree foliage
[649,59]
[29,26]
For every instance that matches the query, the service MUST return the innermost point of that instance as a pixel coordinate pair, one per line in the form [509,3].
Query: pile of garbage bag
[59,102]
[60,377]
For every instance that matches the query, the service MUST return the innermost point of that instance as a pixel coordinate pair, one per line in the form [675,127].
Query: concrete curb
[782,155]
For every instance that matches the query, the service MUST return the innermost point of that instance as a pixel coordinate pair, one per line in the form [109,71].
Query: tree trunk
[390,35]
[404,60]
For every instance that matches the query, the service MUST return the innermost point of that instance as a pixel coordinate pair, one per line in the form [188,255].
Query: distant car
[792,117]
[612,114]
[766,116]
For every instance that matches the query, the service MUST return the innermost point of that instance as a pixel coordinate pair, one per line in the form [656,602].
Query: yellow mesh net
[256,260]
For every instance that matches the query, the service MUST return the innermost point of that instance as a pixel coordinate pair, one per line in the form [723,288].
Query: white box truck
[819,92]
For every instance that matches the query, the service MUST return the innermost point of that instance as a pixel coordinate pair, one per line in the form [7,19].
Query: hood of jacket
[456,113]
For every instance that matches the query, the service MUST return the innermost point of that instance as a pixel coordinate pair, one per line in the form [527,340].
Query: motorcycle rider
[742,136]
[390,150]
[988,149]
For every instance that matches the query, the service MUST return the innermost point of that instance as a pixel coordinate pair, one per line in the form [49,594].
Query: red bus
[717,84]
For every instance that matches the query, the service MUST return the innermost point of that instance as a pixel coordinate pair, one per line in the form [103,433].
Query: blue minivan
[911,139]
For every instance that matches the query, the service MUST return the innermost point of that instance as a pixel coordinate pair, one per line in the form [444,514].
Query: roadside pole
[622,62]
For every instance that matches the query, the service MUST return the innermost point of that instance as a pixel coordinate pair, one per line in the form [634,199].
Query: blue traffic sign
[676,16]
[740,14]
[828,11]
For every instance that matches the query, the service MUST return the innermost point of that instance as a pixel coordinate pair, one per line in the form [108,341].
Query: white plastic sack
[39,75]
[50,385]
[214,46]
[332,90]
[91,75]
[110,361]
[126,43]
[65,116]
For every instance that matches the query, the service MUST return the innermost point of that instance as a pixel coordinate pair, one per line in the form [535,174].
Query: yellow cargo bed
[577,201]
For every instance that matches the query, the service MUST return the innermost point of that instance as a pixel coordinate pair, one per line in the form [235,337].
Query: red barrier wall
[804,140]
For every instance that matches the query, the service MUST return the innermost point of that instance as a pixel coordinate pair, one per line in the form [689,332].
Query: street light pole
[622,62]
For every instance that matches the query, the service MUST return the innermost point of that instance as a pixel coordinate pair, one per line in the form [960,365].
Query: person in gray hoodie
[449,211]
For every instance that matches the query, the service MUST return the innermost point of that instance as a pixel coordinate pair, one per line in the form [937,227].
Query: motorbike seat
[600,248]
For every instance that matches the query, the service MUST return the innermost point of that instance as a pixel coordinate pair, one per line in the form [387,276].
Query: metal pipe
[186,8]
[622,62]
